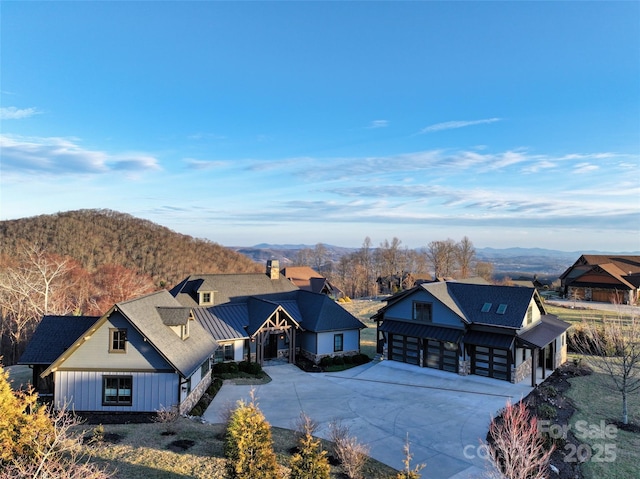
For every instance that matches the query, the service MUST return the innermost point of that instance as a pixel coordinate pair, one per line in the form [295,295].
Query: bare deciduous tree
[351,453]
[442,257]
[465,255]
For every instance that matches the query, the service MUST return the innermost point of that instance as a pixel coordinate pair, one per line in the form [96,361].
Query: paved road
[445,415]
[621,308]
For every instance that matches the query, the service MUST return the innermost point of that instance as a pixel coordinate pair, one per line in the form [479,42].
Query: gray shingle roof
[174,315]
[229,287]
[185,355]
[53,336]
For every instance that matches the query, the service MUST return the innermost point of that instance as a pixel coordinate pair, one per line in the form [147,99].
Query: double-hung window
[338,342]
[117,340]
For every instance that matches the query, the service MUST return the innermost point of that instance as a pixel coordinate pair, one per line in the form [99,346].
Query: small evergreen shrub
[348,359]
[326,361]
[248,444]
[338,361]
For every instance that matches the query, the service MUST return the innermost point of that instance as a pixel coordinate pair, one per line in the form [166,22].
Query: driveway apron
[444,416]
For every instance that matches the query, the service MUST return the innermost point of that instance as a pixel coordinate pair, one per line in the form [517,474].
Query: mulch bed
[181,445]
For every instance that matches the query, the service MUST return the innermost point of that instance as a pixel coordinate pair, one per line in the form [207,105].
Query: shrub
[248,444]
[546,411]
[232,368]
[326,361]
[361,359]
[351,454]
[311,461]
[348,359]
[338,361]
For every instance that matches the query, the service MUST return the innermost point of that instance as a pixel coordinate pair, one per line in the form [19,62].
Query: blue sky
[513,123]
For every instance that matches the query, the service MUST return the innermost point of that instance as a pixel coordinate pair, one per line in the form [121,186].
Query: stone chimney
[273,269]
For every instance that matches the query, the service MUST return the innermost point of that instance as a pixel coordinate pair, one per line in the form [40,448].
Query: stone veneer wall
[195,395]
[464,367]
[521,372]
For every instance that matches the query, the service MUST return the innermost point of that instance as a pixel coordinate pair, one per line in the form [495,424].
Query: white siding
[82,390]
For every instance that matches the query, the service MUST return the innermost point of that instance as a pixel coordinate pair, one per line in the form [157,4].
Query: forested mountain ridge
[99,237]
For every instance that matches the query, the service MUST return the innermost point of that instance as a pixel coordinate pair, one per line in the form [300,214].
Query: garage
[490,354]
[421,344]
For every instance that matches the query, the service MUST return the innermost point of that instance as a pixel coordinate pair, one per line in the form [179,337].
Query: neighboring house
[605,278]
[259,317]
[143,355]
[501,332]
[308,279]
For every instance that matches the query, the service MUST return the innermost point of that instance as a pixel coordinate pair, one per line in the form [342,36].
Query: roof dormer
[205,298]
[177,318]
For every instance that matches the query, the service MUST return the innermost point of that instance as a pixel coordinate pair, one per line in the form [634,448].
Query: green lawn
[613,452]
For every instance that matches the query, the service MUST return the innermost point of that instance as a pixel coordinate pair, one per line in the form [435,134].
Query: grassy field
[613,455]
[142,451]
[363,309]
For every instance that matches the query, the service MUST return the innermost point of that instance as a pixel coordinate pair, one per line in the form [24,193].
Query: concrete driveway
[445,415]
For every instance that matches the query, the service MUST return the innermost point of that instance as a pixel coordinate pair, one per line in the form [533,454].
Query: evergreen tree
[311,461]
[248,444]
[25,426]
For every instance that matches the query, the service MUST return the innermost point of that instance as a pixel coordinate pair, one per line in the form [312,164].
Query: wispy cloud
[450,125]
[378,124]
[64,156]
[206,136]
[585,168]
[13,113]
[203,164]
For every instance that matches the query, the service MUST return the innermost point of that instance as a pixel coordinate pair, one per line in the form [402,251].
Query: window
[338,342]
[116,390]
[224,353]
[117,340]
[205,368]
[422,312]
[206,297]
[529,315]
[501,309]
[486,307]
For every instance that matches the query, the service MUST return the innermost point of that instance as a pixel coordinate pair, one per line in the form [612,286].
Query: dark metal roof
[225,322]
[420,330]
[53,336]
[545,331]
[311,311]
[489,339]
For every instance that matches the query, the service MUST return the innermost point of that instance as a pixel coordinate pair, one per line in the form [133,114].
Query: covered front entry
[275,338]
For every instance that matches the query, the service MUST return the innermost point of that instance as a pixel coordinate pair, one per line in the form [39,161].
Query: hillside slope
[97,237]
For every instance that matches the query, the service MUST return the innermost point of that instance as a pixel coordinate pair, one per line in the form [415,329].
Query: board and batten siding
[82,390]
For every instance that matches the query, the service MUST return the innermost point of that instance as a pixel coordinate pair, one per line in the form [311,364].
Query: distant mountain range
[513,262]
